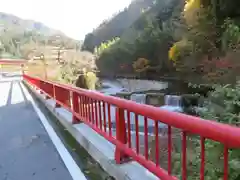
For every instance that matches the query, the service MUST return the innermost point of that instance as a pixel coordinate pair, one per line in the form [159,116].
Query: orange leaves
[141,65]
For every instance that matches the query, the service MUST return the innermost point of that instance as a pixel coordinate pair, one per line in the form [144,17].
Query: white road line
[71,165]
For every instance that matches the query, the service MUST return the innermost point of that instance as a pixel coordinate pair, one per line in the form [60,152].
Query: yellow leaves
[190,8]
[91,80]
[192,4]
[172,53]
[179,48]
[91,75]
[141,65]
[105,45]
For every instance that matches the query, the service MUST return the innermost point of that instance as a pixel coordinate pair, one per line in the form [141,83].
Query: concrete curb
[98,147]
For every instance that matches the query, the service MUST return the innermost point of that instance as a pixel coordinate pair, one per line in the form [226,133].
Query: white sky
[73,17]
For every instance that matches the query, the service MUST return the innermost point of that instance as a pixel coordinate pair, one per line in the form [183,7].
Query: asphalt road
[26,151]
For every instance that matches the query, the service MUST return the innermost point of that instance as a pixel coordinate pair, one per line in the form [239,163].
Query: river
[139,88]
[112,87]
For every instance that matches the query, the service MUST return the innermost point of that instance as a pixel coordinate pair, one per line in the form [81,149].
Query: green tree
[223,105]
[211,35]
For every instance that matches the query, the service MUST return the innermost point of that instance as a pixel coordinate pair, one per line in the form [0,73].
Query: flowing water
[139,98]
[173,103]
[173,100]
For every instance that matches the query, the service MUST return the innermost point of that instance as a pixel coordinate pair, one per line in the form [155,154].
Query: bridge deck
[26,150]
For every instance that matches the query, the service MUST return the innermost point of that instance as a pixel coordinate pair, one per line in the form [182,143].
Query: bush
[87,81]
[91,80]
[190,100]
[229,99]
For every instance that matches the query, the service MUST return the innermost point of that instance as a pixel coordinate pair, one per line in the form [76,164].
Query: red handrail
[12,62]
[95,109]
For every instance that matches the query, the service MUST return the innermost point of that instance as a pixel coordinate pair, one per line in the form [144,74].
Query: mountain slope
[115,26]
[10,22]
[148,38]
[21,37]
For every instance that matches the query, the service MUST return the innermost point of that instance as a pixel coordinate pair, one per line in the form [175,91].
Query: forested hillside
[115,26]
[149,38]
[197,39]
[193,40]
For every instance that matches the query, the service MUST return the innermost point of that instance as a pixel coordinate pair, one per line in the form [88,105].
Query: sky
[75,18]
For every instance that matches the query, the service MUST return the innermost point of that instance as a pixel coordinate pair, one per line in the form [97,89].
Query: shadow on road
[9,99]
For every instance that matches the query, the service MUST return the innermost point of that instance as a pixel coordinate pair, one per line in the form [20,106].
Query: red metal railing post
[121,135]
[75,107]
[45,88]
[40,87]
[22,69]
[57,105]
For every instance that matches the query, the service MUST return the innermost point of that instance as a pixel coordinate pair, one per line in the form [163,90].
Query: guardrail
[96,110]
[12,62]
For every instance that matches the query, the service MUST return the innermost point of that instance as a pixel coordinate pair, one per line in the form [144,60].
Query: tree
[104,46]
[226,111]
[231,36]
[88,44]
[210,37]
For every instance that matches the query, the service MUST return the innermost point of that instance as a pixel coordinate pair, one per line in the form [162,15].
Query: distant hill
[28,38]
[31,40]
[10,22]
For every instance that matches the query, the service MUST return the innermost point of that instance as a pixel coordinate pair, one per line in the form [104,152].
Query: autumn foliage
[141,65]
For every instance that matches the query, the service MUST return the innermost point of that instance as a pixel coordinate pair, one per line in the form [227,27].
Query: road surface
[26,150]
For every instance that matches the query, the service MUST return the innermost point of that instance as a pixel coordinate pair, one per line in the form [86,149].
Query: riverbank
[170,87]
[133,76]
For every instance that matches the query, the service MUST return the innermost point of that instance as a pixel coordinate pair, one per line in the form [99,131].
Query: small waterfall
[173,100]
[139,98]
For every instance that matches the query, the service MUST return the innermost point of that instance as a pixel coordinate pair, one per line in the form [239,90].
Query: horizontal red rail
[120,122]
[12,62]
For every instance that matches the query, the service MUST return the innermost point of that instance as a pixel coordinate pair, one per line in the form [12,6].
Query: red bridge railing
[96,110]
[12,62]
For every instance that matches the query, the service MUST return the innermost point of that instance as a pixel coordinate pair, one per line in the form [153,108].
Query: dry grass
[52,68]
[37,68]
